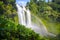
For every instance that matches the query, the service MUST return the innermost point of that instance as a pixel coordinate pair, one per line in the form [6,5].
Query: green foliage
[10,31]
[1,8]
[49,13]
[8,1]
[56,1]
[8,10]
[55,6]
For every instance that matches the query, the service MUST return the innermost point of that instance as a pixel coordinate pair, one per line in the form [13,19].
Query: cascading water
[20,15]
[28,18]
[25,19]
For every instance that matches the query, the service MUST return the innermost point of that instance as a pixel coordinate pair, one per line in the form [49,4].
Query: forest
[48,12]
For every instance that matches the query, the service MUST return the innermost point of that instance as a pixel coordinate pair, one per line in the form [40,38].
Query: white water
[28,18]
[25,19]
[20,15]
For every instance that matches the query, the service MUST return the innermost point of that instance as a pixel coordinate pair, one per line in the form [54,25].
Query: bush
[10,31]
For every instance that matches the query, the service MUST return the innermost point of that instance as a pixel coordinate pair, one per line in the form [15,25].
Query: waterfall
[25,19]
[28,18]
[20,14]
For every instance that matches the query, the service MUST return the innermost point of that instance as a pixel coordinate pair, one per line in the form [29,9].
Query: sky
[23,2]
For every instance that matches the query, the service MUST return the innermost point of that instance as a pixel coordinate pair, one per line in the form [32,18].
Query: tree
[56,1]
[53,0]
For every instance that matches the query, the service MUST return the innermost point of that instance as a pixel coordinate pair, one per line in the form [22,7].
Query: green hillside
[8,10]
[10,29]
[48,13]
